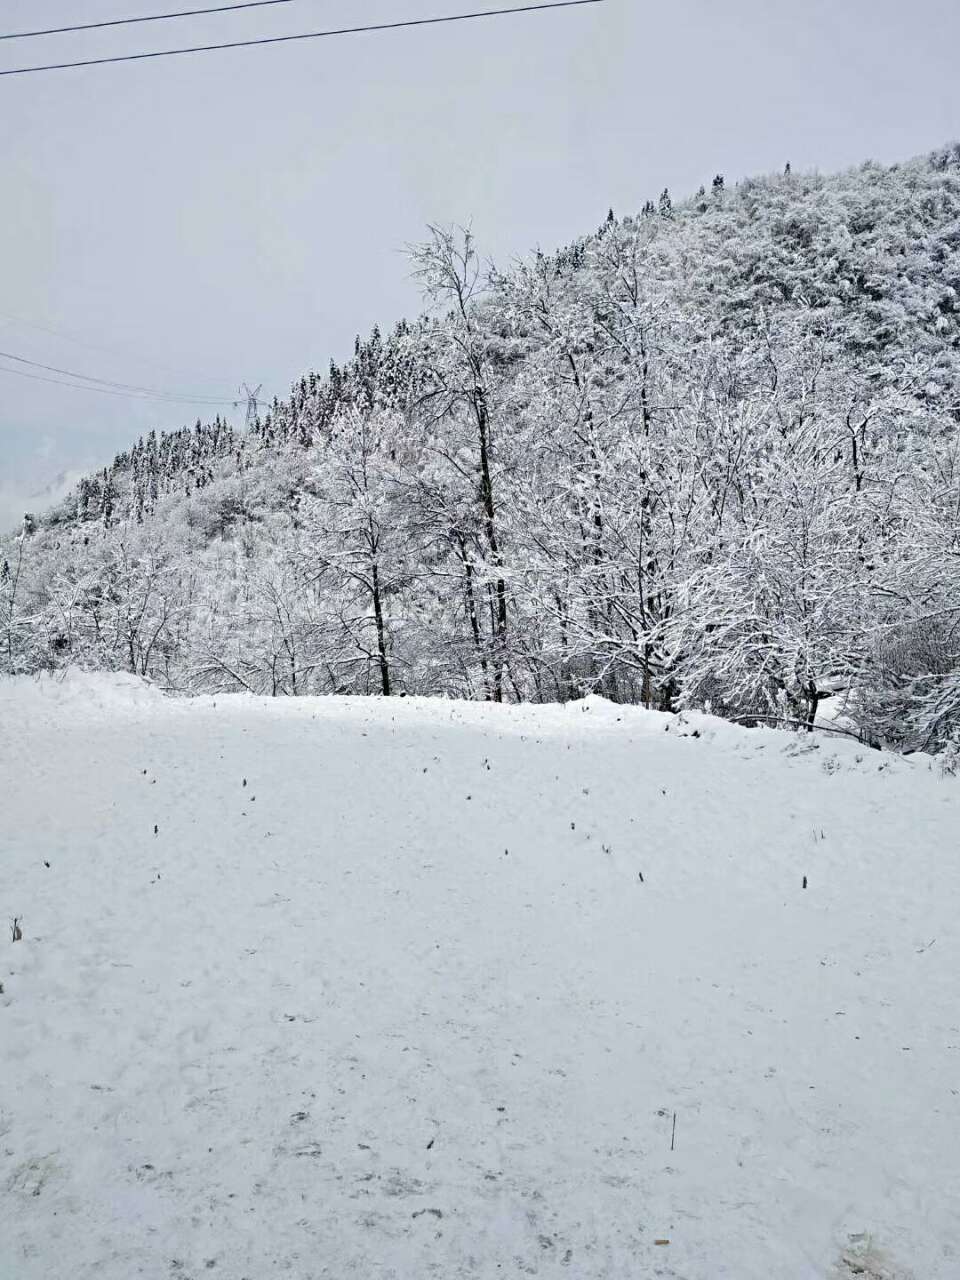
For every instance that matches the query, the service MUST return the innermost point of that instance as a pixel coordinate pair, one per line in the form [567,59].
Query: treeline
[705,456]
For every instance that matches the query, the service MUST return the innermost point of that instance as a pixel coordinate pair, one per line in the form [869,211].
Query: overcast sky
[204,220]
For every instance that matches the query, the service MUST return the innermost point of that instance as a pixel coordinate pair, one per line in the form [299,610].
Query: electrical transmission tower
[251,400]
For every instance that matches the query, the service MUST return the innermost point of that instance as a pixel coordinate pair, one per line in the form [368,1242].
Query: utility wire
[151,17]
[105,391]
[307,35]
[64,336]
[111,384]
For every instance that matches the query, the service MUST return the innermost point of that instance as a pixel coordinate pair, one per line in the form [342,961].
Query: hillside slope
[334,987]
[705,456]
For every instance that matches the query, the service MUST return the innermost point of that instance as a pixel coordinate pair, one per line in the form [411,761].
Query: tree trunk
[472,612]
[490,524]
[813,702]
[381,635]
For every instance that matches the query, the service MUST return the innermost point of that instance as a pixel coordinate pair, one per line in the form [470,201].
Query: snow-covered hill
[705,456]
[331,987]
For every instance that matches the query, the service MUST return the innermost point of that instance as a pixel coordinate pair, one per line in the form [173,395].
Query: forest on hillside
[705,456]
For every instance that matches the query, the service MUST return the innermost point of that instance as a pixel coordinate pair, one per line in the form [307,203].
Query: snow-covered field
[424,996]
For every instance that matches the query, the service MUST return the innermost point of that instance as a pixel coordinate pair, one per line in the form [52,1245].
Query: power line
[307,35]
[152,392]
[65,336]
[104,391]
[151,17]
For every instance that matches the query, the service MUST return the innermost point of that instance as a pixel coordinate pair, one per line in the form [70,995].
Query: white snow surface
[402,1005]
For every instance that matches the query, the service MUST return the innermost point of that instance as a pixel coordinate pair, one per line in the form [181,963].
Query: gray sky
[241,215]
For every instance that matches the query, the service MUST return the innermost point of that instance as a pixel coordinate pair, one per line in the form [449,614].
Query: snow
[402,1006]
